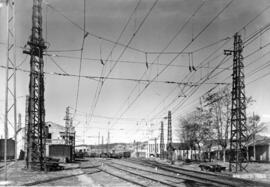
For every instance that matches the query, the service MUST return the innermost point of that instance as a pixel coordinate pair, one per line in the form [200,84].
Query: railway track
[134,179]
[176,178]
[213,177]
[161,177]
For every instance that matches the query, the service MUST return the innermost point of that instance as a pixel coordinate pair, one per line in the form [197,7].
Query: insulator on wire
[146,62]
[86,34]
[101,61]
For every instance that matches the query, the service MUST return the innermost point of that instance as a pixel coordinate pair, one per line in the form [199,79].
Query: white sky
[106,18]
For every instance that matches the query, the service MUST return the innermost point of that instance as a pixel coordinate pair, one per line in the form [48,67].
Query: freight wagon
[10,149]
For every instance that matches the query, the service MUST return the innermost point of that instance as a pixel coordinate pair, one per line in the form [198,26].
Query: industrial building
[60,142]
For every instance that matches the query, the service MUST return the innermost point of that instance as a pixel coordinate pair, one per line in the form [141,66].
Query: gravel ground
[252,168]
[87,173]
[71,176]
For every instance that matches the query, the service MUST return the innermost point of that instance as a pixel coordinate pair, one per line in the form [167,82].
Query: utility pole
[238,111]
[10,88]
[36,110]
[162,141]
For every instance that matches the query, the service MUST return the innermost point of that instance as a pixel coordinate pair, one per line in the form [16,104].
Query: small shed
[262,149]
[61,151]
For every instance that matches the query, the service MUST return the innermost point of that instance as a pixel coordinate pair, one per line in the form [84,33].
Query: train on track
[118,155]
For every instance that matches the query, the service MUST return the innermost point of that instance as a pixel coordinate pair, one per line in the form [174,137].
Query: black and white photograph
[119,93]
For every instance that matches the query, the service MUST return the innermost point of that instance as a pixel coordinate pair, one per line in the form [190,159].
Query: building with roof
[56,135]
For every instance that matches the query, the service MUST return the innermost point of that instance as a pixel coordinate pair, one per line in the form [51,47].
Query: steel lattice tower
[36,111]
[161,141]
[26,119]
[238,111]
[169,137]
[67,126]
[10,89]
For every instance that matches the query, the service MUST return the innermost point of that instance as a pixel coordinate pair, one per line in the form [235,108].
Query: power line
[204,61]
[252,72]
[123,51]
[80,66]
[58,65]
[196,36]
[129,62]
[99,87]
[90,33]
[260,77]
[146,81]
[250,54]
[194,51]
[179,31]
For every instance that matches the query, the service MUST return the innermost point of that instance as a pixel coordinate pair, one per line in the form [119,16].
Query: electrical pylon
[67,126]
[36,110]
[238,160]
[161,141]
[10,89]
[169,137]
[108,141]
[26,134]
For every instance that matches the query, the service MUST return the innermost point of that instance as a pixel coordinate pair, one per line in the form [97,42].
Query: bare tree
[253,128]
[218,105]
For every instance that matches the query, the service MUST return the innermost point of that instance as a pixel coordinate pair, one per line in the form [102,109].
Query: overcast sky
[106,18]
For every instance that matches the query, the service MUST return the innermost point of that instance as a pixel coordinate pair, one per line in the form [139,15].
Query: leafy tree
[196,128]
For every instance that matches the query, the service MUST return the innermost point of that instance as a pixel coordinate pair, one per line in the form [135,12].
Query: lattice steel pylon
[26,119]
[67,126]
[161,141]
[238,160]
[36,111]
[169,137]
[10,89]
